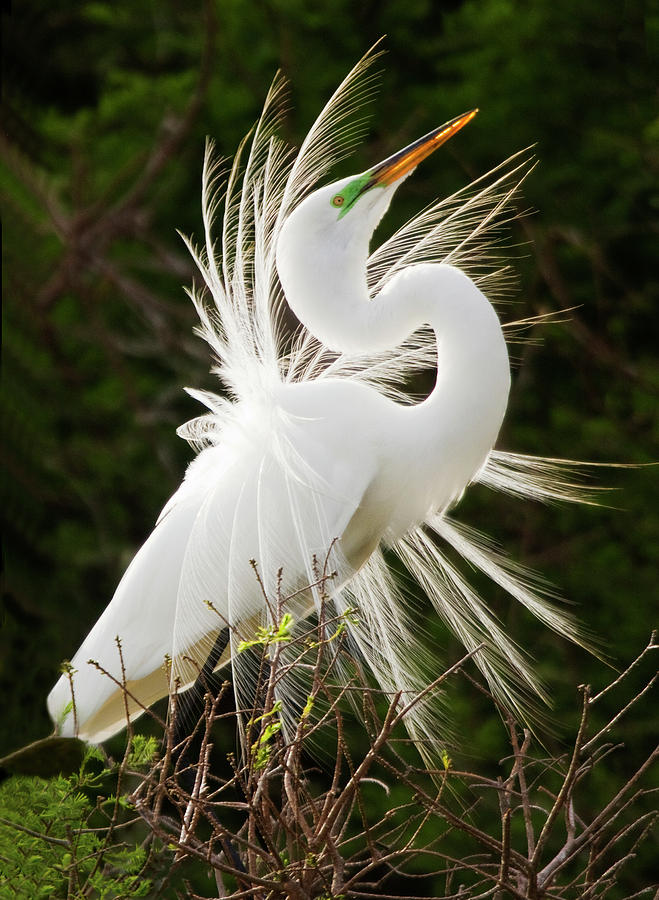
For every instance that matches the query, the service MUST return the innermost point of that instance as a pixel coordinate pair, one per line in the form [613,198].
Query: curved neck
[333,302]
[464,412]
[461,418]
[471,351]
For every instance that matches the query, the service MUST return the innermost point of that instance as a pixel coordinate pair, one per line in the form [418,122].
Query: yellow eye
[338,200]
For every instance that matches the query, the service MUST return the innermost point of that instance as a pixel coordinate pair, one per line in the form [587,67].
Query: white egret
[318,447]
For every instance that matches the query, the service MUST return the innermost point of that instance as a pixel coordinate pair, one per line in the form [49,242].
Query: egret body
[317,453]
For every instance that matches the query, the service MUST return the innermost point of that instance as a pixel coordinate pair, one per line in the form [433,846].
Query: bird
[316,450]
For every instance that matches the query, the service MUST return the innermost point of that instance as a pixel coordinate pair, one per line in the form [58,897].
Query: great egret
[319,449]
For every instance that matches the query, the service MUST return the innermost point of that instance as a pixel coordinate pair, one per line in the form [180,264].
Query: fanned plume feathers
[244,319]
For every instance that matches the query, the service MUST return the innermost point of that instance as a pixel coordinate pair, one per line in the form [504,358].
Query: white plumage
[319,450]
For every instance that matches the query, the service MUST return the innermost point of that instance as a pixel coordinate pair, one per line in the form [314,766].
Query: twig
[652,645]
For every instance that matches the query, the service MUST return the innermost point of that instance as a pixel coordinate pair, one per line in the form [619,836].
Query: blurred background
[105,110]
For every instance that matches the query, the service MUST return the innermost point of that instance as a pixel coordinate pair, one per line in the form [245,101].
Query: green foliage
[262,747]
[143,750]
[51,844]
[271,634]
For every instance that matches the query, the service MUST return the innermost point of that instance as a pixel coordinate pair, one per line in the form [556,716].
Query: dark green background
[98,343]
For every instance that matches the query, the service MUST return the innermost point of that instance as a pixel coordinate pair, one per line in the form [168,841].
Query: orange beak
[402,162]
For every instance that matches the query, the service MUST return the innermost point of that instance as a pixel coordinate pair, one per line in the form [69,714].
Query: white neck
[457,425]
[461,418]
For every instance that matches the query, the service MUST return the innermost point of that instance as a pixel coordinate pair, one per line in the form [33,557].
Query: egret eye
[339,200]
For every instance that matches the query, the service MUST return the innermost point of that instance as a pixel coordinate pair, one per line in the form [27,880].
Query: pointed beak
[401,163]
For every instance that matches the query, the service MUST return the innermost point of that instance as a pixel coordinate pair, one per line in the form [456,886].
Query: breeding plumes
[319,453]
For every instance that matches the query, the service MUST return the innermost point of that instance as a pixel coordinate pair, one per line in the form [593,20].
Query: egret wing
[254,518]
[129,643]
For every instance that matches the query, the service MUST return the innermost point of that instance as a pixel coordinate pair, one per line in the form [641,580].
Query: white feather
[322,451]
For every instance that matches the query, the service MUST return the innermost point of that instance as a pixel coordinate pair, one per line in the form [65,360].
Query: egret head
[322,249]
[347,212]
